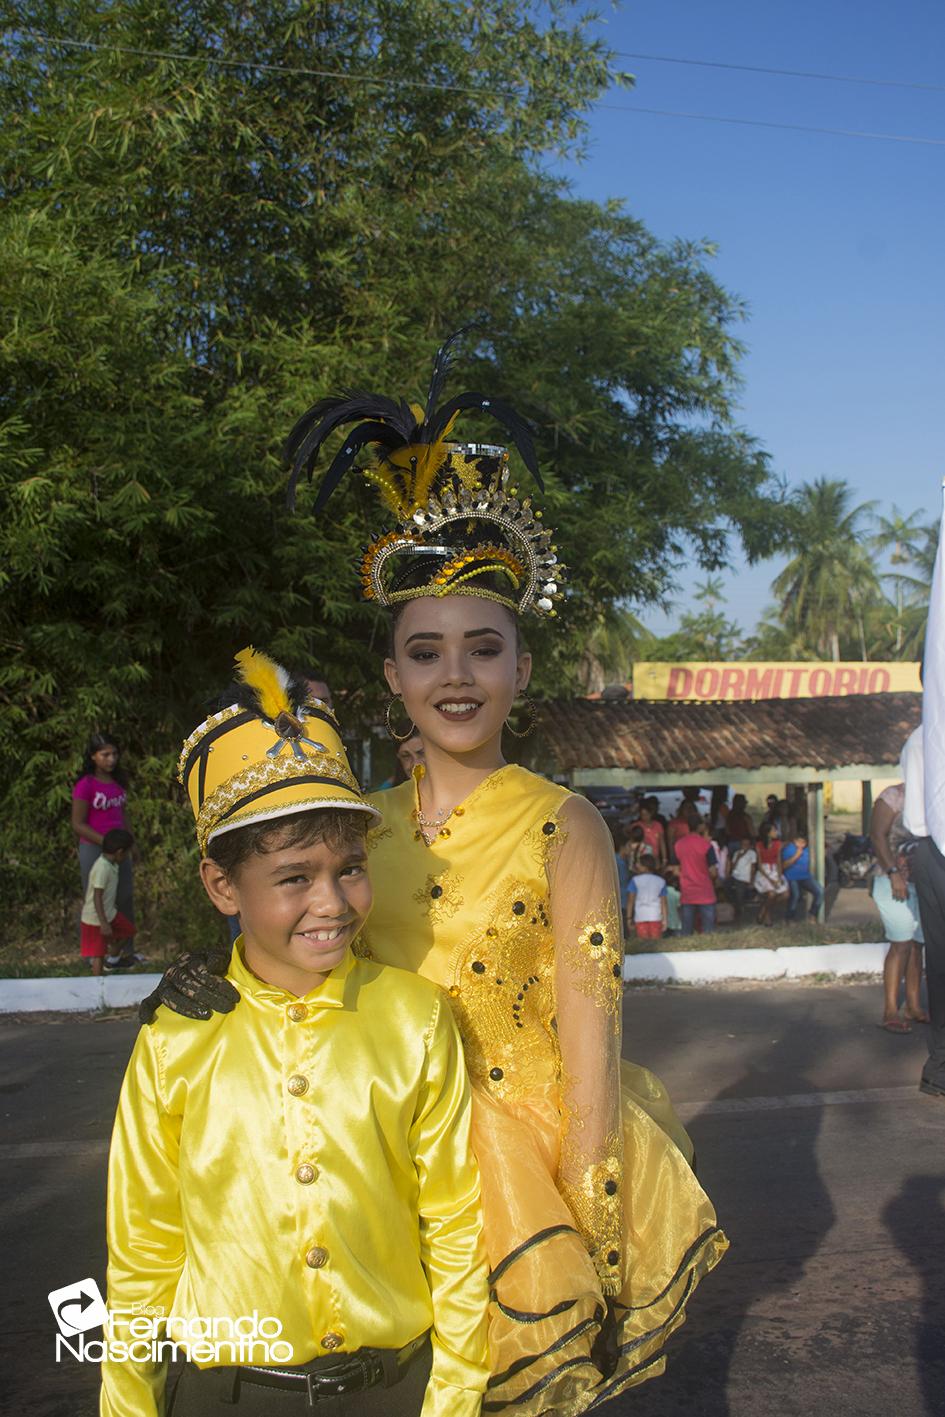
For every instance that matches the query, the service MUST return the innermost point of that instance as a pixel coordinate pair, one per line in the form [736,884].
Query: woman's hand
[194,987]
[897,884]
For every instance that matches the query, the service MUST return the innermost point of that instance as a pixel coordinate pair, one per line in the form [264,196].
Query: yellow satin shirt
[306,1159]
[513,910]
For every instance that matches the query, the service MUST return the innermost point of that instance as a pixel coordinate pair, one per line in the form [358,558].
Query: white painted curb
[791,962]
[122,991]
[84,994]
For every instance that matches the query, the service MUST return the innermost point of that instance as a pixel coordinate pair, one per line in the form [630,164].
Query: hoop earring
[533,710]
[397,737]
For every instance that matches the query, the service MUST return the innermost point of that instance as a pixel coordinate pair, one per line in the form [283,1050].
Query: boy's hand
[107,932]
[194,987]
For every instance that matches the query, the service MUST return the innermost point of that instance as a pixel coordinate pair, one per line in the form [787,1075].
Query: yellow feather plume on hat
[268,681]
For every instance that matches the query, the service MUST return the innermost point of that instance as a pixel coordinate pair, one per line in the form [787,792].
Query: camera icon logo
[78,1307]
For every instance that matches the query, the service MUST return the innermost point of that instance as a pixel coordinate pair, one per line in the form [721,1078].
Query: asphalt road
[826,1164]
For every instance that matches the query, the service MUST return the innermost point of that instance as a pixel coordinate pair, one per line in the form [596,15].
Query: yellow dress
[596,1228]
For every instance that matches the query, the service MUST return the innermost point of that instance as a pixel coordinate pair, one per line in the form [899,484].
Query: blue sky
[836,243]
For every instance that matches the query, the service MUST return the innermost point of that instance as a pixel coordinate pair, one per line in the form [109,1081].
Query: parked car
[615,804]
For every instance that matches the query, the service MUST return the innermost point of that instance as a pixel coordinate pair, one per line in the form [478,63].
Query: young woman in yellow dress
[501,887]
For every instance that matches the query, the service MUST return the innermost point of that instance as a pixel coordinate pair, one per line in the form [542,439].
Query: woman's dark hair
[764,832]
[96,743]
[340,827]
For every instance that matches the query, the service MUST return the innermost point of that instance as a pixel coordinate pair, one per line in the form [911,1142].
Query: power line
[380,81]
[764,123]
[782,73]
[384,81]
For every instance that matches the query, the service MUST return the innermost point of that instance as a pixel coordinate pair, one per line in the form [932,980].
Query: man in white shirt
[928,873]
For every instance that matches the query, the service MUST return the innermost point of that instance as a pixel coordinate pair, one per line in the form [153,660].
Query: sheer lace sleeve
[588,991]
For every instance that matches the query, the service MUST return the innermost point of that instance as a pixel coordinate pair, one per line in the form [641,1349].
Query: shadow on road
[747,1157]
[916,1222]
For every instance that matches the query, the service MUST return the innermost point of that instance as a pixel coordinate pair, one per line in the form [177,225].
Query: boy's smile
[300,908]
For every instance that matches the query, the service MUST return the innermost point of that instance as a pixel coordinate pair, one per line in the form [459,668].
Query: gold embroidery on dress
[596,959]
[544,840]
[594,1199]
[502,994]
[440,894]
[378,834]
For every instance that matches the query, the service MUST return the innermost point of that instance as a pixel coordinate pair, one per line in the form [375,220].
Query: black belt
[334,1377]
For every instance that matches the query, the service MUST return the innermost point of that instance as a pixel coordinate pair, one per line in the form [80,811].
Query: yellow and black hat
[275,750]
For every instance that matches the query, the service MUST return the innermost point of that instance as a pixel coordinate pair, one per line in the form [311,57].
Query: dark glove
[194,987]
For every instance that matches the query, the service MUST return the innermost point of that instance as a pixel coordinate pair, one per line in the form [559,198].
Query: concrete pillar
[816,834]
[867,811]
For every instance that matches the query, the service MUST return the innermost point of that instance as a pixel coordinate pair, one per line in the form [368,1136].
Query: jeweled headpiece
[461,527]
[275,750]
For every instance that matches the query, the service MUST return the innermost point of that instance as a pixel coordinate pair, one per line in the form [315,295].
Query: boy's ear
[219,887]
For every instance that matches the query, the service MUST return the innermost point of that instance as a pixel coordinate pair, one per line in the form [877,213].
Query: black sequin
[613,1256]
[597,938]
[549,828]
[616,971]
[478,967]
[518,908]
[610,1187]
[436,892]
[496,1074]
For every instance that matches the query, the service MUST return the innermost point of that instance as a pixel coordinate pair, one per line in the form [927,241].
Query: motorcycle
[854,859]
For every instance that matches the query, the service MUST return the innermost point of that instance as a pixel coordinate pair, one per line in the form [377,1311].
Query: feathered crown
[461,527]
[272,751]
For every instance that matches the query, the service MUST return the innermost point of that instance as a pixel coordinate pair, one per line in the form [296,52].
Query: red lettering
[732,682]
[680,683]
[778,678]
[794,682]
[844,681]
[707,683]
[820,682]
[863,679]
[879,681]
[758,684]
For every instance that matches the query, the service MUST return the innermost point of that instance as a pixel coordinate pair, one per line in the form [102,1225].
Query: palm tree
[831,578]
[899,535]
[610,649]
[917,589]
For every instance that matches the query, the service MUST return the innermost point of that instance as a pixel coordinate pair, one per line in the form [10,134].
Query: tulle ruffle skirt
[556,1345]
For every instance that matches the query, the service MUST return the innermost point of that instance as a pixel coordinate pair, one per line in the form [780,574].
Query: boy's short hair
[337,826]
[636,832]
[117,840]
[648,860]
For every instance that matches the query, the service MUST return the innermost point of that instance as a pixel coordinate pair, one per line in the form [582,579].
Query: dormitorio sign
[771,681]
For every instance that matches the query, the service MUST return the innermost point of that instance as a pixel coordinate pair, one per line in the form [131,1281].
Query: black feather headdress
[461,529]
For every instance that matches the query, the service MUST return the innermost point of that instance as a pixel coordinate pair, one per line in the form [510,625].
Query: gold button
[316,1258]
[297,1085]
[297,1012]
[332,1340]
[306,1173]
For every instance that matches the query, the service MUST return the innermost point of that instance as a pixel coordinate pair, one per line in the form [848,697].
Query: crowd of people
[674,873]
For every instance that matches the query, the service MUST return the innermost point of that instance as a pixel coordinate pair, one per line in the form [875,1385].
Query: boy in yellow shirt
[292,1199]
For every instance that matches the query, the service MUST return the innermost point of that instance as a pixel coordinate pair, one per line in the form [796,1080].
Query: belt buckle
[320,1386]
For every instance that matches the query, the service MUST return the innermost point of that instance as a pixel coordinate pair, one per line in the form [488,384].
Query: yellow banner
[732,682]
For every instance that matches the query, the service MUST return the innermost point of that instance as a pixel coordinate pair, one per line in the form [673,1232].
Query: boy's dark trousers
[211,1392]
